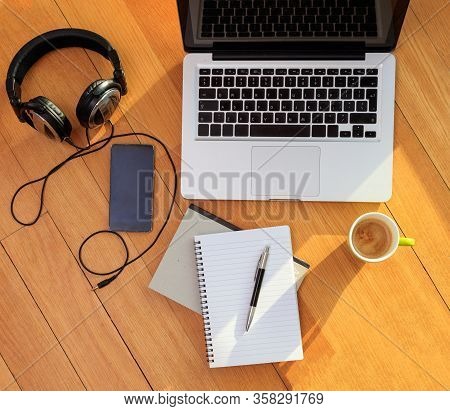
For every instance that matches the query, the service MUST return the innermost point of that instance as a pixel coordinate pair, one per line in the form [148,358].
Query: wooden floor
[378,327]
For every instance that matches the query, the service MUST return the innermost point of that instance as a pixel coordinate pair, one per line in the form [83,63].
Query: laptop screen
[369,25]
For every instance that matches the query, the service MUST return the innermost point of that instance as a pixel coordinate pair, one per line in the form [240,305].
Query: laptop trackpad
[285,172]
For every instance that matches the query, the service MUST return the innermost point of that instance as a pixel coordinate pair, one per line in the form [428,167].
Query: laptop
[289,99]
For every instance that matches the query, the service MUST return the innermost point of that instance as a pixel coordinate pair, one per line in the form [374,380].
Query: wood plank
[7,381]
[422,93]
[42,364]
[79,320]
[13,177]
[433,16]
[421,203]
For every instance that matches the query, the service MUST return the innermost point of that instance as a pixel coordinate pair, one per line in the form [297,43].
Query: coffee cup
[374,237]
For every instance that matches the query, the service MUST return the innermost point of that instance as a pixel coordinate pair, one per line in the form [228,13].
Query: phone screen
[132,186]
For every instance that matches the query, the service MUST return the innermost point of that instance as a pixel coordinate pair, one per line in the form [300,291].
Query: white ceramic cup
[395,236]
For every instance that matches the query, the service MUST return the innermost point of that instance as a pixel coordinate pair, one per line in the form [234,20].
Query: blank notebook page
[227,263]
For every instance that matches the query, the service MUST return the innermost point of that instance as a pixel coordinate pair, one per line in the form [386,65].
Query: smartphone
[132,186]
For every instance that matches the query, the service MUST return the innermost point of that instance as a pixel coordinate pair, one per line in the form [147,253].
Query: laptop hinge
[307,51]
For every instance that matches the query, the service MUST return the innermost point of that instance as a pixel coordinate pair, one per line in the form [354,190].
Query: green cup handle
[406,241]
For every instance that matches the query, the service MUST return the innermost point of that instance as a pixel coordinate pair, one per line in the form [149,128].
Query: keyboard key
[283,93]
[358,94]
[342,118]
[353,81]
[280,72]
[359,71]
[317,118]
[237,105]
[286,130]
[370,134]
[318,131]
[302,81]
[336,106]
[242,72]
[230,72]
[204,71]
[363,118]
[215,130]
[373,105]
[345,134]
[294,72]
[286,105]
[333,131]
[280,117]
[307,72]
[204,117]
[231,117]
[216,81]
[241,130]
[203,130]
[346,94]
[369,82]
[225,105]
[330,118]
[278,81]
[266,81]
[253,81]
[319,72]
[255,117]
[308,93]
[328,82]
[333,72]
[207,93]
[219,117]
[274,105]
[296,93]
[271,93]
[243,117]
[222,93]
[235,93]
[227,130]
[247,93]
[255,72]
[268,72]
[267,117]
[358,131]
[241,81]
[204,81]
[258,93]
[299,106]
[228,81]
[349,106]
[249,105]
[217,72]
[261,105]
[321,93]
[333,94]
[292,118]
[315,81]
[324,106]
[311,105]
[372,72]
[361,106]
[346,72]
[305,117]
[340,82]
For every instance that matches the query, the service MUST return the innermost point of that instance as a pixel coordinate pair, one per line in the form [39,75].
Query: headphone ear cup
[47,118]
[98,103]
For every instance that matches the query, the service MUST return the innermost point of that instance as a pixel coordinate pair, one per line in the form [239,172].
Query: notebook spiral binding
[204,302]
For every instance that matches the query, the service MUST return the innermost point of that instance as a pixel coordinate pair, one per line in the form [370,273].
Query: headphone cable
[82,152]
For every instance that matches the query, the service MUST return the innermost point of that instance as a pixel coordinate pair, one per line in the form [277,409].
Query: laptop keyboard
[288,18]
[288,103]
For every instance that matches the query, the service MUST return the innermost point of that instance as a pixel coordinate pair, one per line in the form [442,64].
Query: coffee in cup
[375,237]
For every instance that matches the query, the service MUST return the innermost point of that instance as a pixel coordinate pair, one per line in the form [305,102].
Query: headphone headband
[53,40]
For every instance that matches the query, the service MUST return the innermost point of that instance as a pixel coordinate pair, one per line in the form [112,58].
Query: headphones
[97,103]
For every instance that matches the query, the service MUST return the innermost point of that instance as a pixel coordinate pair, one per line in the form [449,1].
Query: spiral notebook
[226,264]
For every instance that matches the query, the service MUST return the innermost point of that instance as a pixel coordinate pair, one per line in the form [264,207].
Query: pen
[259,275]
